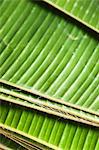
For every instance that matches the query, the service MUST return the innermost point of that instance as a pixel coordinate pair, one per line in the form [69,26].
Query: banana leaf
[84,11]
[13,118]
[7,144]
[21,141]
[43,50]
[70,112]
[51,54]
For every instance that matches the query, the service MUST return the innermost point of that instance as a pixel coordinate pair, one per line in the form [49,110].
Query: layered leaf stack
[45,51]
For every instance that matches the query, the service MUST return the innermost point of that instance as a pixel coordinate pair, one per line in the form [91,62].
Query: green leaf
[31,124]
[83,11]
[16,141]
[8,144]
[54,55]
[33,101]
[43,50]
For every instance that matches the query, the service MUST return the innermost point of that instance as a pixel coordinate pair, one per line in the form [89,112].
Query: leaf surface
[43,50]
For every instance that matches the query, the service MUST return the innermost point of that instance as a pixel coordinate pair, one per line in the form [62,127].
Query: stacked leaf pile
[49,74]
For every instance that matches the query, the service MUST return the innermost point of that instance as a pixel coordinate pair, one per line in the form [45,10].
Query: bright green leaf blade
[62,66]
[86,12]
[44,51]
[45,131]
